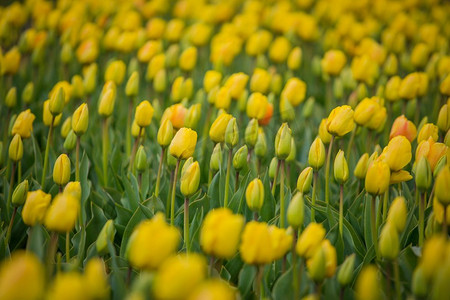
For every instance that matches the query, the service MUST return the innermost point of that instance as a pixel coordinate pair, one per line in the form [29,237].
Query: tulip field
[224,149]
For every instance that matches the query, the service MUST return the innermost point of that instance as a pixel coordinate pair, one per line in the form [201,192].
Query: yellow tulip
[428,130]
[35,207]
[218,128]
[62,213]
[47,115]
[260,81]
[61,170]
[23,124]
[73,188]
[212,79]
[80,119]
[65,284]
[236,84]
[432,151]
[324,135]
[256,246]
[96,280]
[115,72]
[165,133]
[409,86]
[377,178]
[316,156]
[190,180]
[402,126]
[15,150]
[217,289]
[294,91]
[188,59]
[389,245]
[361,167]
[397,213]
[294,59]
[333,62]
[281,241]
[368,285]
[107,101]
[254,194]
[257,106]
[441,186]
[132,87]
[310,240]
[392,88]
[340,121]
[279,50]
[397,154]
[144,114]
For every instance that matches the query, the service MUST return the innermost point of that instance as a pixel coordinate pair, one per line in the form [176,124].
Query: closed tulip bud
[140,163]
[251,133]
[397,154]
[338,88]
[366,110]
[441,186]
[317,265]
[368,285]
[261,144]
[294,59]
[391,65]
[397,214]
[402,126]
[35,207]
[219,127]
[186,165]
[62,213]
[345,273]
[106,235]
[324,135]
[61,170]
[310,240]
[256,251]
[188,59]
[216,158]
[16,148]
[96,279]
[211,80]
[240,158]
[90,78]
[165,133]
[183,143]
[341,172]
[190,180]
[80,119]
[333,62]
[419,55]
[132,87]
[279,50]
[106,103]
[11,61]
[423,174]
[361,167]
[409,86]
[66,53]
[428,130]
[443,121]
[391,89]
[316,156]
[70,141]
[144,114]
[23,124]
[193,115]
[115,72]
[48,117]
[257,106]
[220,233]
[77,87]
[287,111]
[389,242]
[157,63]
[377,178]
[232,133]
[20,193]
[293,154]
[308,107]
[296,211]
[304,180]
[294,91]
[419,283]
[11,98]
[160,81]
[340,121]
[276,84]
[254,194]
[283,142]
[260,81]
[28,92]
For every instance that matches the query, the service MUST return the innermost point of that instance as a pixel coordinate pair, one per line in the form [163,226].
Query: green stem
[8,233]
[67,246]
[19,173]
[373,223]
[350,143]
[313,200]
[169,196]
[275,177]
[227,178]
[133,153]
[282,204]
[295,282]
[327,172]
[421,218]
[158,177]
[128,133]
[341,209]
[398,294]
[11,188]
[385,204]
[186,225]
[77,159]
[260,285]
[174,186]
[105,148]
[51,250]
[47,148]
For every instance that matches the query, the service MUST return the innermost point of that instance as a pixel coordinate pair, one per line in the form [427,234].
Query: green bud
[261,144]
[341,172]
[70,141]
[172,55]
[216,158]
[106,234]
[160,81]
[133,66]
[423,174]
[296,211]
[411,109]
[20,193]
[232,133]
[56,104]
[397,214]
[347,79]
[240,158]
[251,133]
[242,101]
[304,180]
[442,162]
[419,283]
[15,151]
[187,164]
[293,154]
[283,142]
[190,179]
[140,162]
[361,91]
[345,273]
[389,242]
[276,84]
[316,67]
[317,265]
[11,97]
[66,53]
[338,88]
[273,167]
[308,107]
[361,167]
[28,92]
[287,111]
[316,156]
[193,115]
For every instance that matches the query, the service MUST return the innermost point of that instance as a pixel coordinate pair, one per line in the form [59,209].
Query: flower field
[224,149]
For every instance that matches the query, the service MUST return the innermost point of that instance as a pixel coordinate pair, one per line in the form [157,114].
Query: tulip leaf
[246,278]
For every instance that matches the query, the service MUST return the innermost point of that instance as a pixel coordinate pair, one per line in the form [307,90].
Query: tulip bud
[377,178]
[361,167]
[115,72]
[423,174]
[251,133]
[186,165]
[190,180]
[340,121]
[304,180]
[232,133]
[317,265]
[62,213]
[310,240]
[160,81]
[240,158]
[193,115]
[57,102]
[106,103]
[276,84]
[260,81]
[211,80]
[296,211]
[345,273]
[308,107]
[441,186]
[183,143]
[20,193]
[140,162]
[324,135]
[443,121]
[144,114]
[132,87]
[273,167]
[219,127]
[11,97]
[293,154]
[397,214]
[419,283]
[426,131]
[294,91]
[28,92]
[341,172]
[295,58]
[283,142]
[216,158]
[70,141]
[389,242]
[261,144]
[80,119]
[391,65]
[256,106]
[106,235]
[368,284]
[77,87]
[316,156]
[47,116]
[254,194]
[165,133]
[61,170]
[16,148]
[188,59]
[333,62]
[66,53]
[90,78]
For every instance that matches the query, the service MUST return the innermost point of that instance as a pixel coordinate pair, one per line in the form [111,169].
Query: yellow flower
[256,246]
[364,69]
[35,207]
[402,126]
[236,84]
[15,150]
[433,254]
[155,28]
[96,280]
[152,242]
[409,86]
[144,114]
[400,176]
[279,50]
[132,86]
[62,213]
[432,151]
[212,79]
[397,154]
[87,51]
[115,72]
[179,276]
[389,242]
[66,284]
[73,188]
[428,130]
[181,88]
[222,97]
[165,133]
[47,115]
[392,88]
[190,180]
[188,59]
[22,277]
[80,119]
[294,91]
[107,101]
[397,213]
[216,289]
[368,284]
[366,110]
[11,61]
[254,194]
[199,33]
[310,240]
[23,124]
[257,106]
[340,121]
[441,186]
[260,81]
[340,165]
[281,241]
[258,42]
[66,87]
[419,55]
[324,135]
[11,97]
[220,233]
[438,211]
[304,180]
[174,30]
[443,121]
[316,156]
[176,114]
[333,62]
[294,60]
[156,64]
[377,178]
[283,141]
[218,128]
[149,50]
[61,170]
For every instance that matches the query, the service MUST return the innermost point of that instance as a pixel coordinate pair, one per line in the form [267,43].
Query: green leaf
[137,217]
[246,278]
